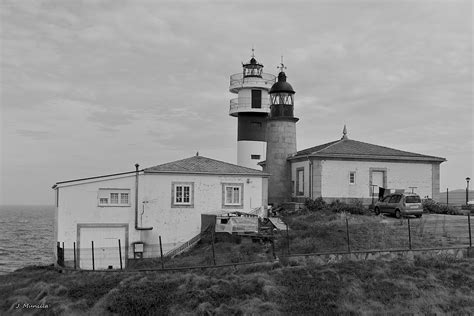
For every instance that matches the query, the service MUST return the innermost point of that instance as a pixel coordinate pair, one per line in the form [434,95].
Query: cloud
[103,84]
[34,134]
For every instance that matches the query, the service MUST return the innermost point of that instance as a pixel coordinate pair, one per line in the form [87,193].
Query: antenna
[253,52]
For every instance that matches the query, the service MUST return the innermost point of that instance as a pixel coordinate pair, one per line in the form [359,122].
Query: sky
[93,87]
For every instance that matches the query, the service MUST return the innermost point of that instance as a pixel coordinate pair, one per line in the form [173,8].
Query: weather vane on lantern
[282,66]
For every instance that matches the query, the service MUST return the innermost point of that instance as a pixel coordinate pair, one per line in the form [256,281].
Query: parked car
[400,204]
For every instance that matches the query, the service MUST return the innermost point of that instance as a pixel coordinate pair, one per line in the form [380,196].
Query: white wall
[335,177]
[246,148]
[78,204]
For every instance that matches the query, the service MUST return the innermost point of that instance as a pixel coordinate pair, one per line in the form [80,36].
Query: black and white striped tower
[251,107]
[281,140]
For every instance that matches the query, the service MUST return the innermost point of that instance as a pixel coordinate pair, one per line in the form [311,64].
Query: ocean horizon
[26,236]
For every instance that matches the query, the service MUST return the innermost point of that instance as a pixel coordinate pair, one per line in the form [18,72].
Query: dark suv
[400,204]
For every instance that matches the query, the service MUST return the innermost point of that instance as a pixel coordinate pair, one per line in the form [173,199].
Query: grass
[425,286]
[437,285]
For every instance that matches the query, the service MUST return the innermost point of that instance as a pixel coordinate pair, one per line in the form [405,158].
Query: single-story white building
[347,169]
[139,206]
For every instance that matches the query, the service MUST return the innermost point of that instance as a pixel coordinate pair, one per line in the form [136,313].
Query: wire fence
[346,234]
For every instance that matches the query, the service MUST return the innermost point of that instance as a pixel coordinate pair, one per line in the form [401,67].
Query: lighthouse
[251,107]
[281,139]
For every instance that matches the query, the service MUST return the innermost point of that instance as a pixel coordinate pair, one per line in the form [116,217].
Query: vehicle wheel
[398,214]
[377,211]
[418,216]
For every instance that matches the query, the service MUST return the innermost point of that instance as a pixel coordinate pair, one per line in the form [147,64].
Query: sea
[26,236]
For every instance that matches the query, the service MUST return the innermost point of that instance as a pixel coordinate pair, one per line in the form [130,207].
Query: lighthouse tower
[251,108]
[281,140]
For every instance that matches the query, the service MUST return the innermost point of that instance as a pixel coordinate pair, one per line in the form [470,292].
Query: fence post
[212,241]
[288,239]
[161,254]
[347,233]
[74,245]
[93,263]
[273,244]
[409,234]
[469,224]
[120,254]
[447,197]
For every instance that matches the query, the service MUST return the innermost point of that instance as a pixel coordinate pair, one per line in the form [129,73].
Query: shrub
[317,204]
[355,207]
[431,206]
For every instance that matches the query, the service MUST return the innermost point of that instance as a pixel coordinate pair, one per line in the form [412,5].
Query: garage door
[106,246]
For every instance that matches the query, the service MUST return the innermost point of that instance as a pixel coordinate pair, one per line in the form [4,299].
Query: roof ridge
[333,143]
[202,164]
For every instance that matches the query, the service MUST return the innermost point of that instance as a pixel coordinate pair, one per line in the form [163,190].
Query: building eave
[427,159]
[94,178]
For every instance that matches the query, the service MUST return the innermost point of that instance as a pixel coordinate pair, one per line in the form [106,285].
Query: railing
[245,105]
[180,249]
[238,81]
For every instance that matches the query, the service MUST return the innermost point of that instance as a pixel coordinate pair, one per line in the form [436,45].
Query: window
[256,99]
[232,195]
[352,177]
[395,199]
[123,198]
[255,157]
[182,194]
[299,181]
[114,197]
[412,199]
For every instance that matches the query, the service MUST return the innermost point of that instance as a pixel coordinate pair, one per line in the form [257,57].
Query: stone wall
[409,255]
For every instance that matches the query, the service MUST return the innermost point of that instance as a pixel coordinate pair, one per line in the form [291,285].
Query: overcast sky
[93,87]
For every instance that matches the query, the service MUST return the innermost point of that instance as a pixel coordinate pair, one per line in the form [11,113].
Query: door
[106,252]
[377,182]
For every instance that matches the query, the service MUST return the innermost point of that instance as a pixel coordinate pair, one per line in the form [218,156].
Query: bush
[431,206]
[317,204]
[355,207]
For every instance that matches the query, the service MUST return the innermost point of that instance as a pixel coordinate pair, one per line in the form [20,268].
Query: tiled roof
[348,148]
[200,164]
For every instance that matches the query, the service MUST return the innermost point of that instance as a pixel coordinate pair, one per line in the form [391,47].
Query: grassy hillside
[424,286]
[434,285]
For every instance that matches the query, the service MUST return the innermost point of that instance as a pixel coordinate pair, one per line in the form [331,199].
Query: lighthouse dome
[281,85]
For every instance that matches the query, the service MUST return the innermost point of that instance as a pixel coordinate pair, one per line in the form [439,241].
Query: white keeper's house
[347,169]
[139,206]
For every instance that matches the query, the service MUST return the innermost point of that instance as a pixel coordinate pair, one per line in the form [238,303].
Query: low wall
[390,255]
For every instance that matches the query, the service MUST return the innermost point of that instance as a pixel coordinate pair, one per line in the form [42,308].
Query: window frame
[174,186]
[239,205]
[106,194]
[352,176]
[299,191]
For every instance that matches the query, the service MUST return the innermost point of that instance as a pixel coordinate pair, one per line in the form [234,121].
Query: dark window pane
[412,199]
[256,99]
